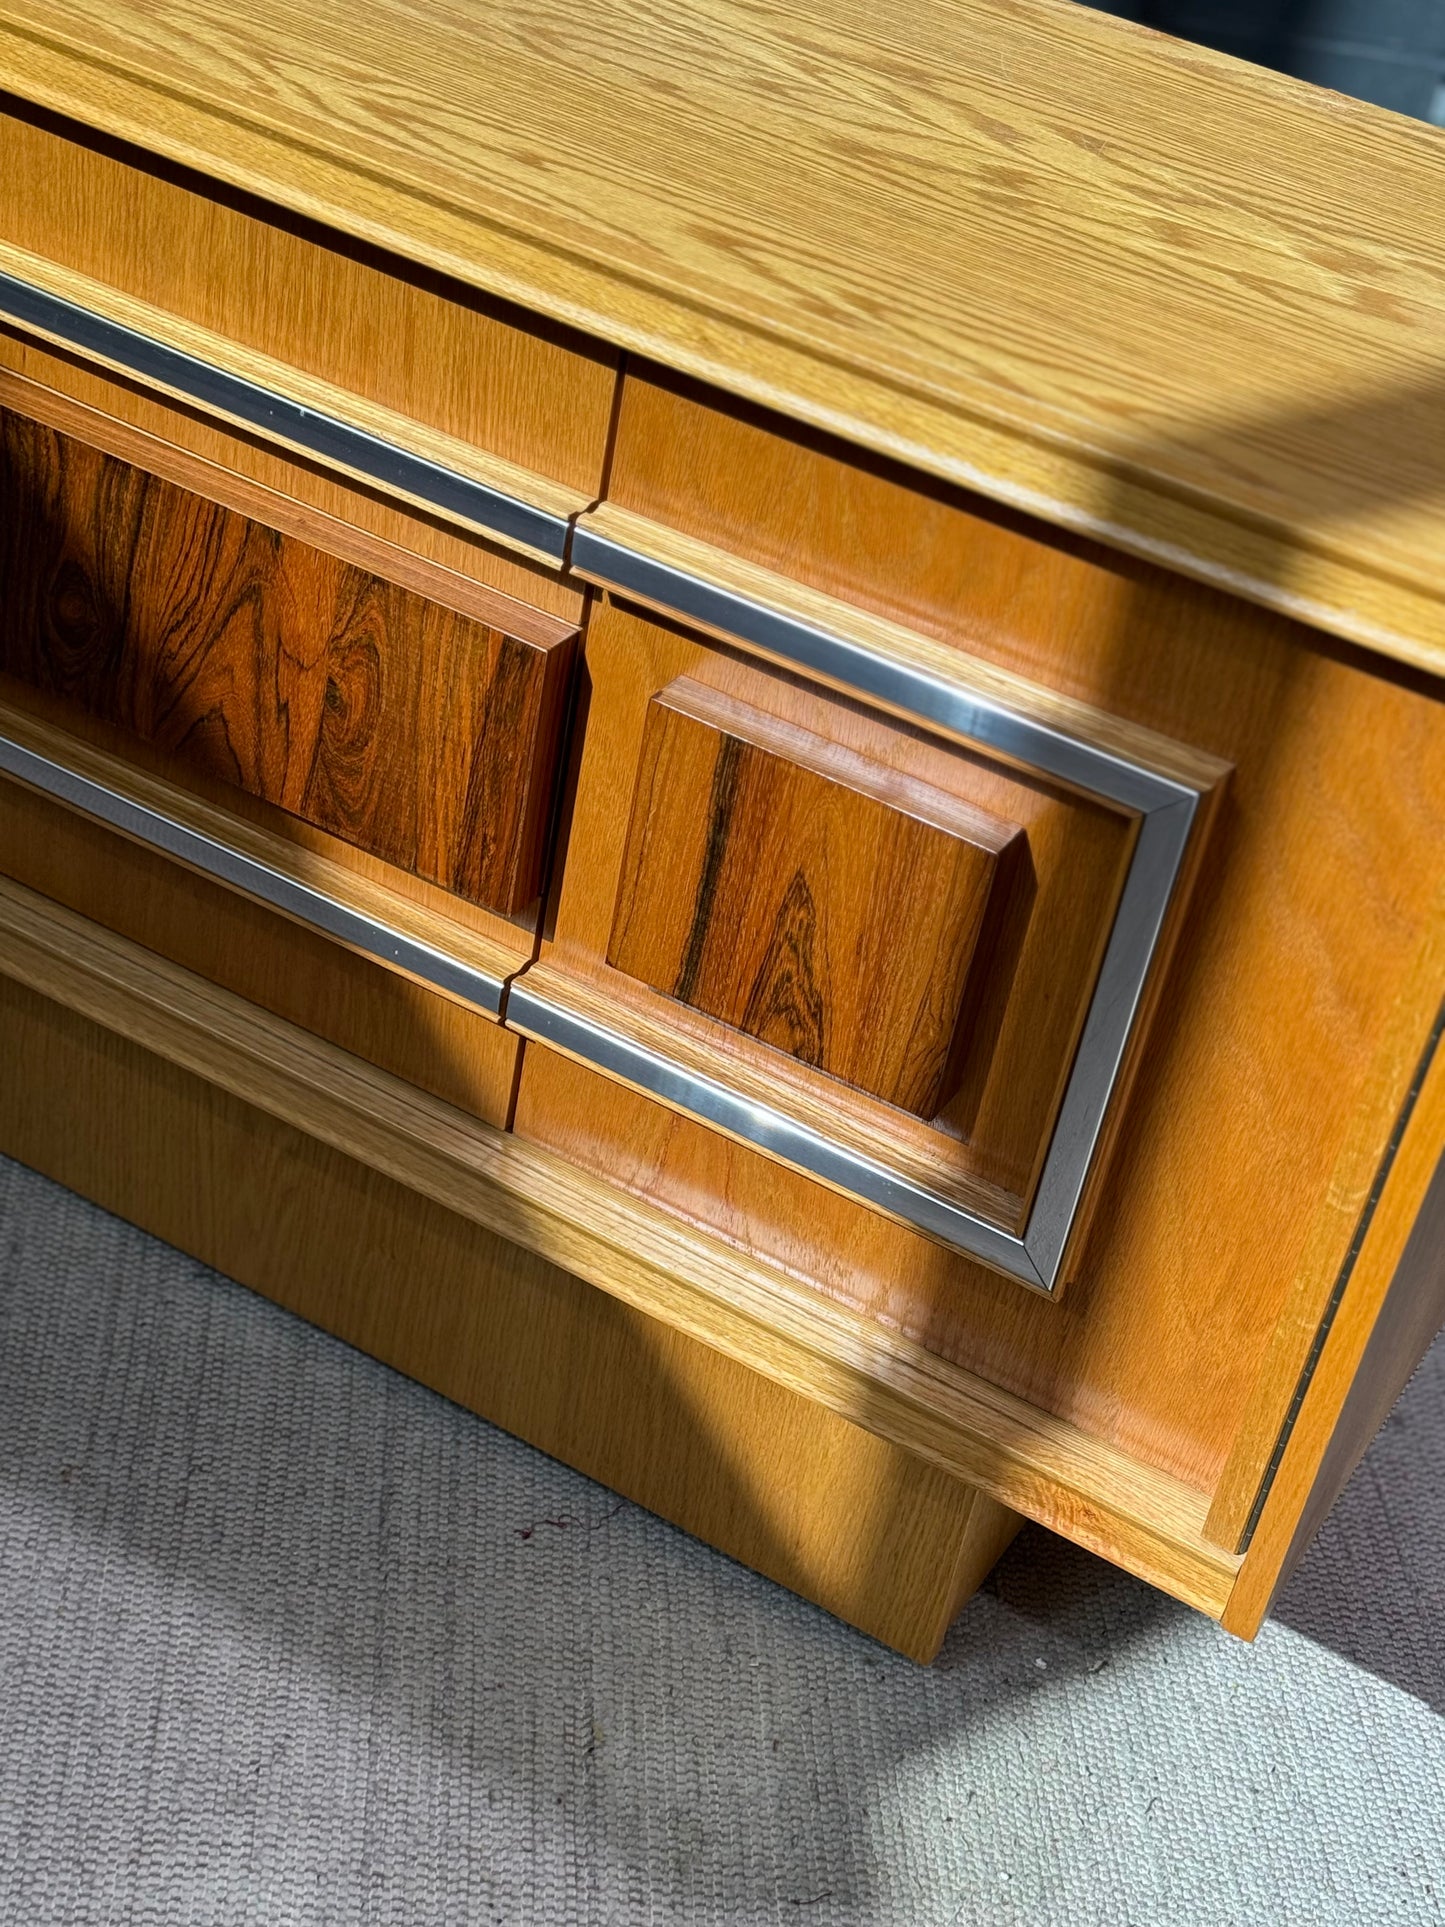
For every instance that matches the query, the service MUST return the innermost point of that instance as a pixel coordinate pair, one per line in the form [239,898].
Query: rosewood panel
[1314,899]
[405,727]
[794,889]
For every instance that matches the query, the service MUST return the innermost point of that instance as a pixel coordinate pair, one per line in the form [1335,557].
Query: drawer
[489,419]
[402,711]
[865,906]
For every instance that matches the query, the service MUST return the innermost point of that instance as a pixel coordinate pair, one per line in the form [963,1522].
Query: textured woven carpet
[286,1638]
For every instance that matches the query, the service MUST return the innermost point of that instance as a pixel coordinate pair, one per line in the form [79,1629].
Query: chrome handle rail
[1166,809]
[262,881]
[327,438]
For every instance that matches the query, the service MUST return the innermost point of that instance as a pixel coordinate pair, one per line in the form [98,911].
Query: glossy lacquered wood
[1151,293]
[358,705]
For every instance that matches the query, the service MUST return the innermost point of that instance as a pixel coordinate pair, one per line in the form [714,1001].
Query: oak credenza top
[1140,289]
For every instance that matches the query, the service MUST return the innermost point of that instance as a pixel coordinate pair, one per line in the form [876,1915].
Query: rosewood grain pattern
[119,412]
[1031,976]
[361,707]
[815,900]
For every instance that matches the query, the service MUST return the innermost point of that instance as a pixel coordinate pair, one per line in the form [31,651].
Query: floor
[1391,52]
[284,1638]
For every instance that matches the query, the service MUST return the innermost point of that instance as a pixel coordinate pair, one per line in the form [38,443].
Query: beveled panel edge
[1166,808]
[326,438]
[951,706]
[263,882]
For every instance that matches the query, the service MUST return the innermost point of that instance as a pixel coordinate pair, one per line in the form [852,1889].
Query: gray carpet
[286,1638]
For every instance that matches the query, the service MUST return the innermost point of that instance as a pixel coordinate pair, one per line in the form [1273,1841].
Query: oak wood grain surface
[745,1308]
[364,1006]
[821,903]
[1369,1342]
[310,393]
[348,701]
[226,278]
[1384,1123]
[102,754]
[881,1538]
[1136,287]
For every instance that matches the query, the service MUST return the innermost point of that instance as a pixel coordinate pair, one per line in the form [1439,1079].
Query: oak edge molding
[1144,1520]
[1351,590]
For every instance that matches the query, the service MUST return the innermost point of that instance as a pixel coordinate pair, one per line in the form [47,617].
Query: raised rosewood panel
[409,729]
[889,938]
[806,895]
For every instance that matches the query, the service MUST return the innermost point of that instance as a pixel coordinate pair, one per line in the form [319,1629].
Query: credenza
[723,725]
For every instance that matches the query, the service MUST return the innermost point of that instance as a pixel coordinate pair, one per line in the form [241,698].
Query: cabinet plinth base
[880,1538]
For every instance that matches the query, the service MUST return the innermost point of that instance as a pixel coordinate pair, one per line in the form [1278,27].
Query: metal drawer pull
[332,441]
[253,878]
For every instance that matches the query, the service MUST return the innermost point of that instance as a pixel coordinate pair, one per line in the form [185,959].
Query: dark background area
[1389,51]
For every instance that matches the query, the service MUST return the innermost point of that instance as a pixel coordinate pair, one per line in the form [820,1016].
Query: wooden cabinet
[793,841]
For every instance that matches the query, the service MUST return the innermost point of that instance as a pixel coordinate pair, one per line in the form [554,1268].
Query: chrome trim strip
[253,878]
[1166,809]
[770,1130]
[1158,854]
[330,440]
[951,707]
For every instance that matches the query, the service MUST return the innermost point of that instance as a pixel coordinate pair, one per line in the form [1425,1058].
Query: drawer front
[415,731]
[909,953]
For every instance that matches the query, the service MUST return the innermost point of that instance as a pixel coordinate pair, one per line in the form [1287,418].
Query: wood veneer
[819,902]
[832,373]
[1318,890]
[351,702]
[1034,983]
[377,1013]
[877,1536]
[368,325]
[747,1310]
